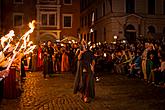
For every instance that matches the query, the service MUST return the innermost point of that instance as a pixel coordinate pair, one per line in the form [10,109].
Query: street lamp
[91,30]
[115,37]
[91,34]
[124,41]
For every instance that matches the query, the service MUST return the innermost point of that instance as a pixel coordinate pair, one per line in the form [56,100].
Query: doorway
[130,33]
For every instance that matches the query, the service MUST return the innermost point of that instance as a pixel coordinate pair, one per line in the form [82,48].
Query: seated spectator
[135,67]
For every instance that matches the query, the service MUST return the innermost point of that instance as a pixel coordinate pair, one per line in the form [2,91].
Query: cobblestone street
[113,92]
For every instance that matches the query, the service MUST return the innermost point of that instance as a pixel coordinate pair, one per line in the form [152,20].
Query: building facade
[16,15]
[0,16]
[55,19]
[101,20]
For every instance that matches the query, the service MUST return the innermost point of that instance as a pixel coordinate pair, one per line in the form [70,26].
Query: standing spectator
[34,60]
[45,63]
[144,61]
[23,74]
[57,60]
[39,58]
[65,61]
[50,53]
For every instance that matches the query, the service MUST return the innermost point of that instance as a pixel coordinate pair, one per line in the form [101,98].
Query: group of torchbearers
[12,54]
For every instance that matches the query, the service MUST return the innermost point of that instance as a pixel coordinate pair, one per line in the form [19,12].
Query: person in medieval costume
[23,74]
[50,53]
[84,80]
[39,58]
[45,63]
[34,60]
[65,61]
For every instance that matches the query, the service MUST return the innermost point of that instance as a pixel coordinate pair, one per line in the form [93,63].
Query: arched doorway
[151,32]
[130,33]
[46,37]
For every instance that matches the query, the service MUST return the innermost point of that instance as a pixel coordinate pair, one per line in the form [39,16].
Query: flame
[25,38]
[30,43]
[10,34]
[31,26]
[7,37]
[28,38]
[30,49]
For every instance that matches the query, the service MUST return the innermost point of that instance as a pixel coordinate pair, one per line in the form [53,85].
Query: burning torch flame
[26,38]
[7,37]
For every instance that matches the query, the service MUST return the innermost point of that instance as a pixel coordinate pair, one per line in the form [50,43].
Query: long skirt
[84,82]
[65,63]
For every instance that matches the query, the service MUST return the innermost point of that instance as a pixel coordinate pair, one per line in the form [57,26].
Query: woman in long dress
[39,58]
[65,61]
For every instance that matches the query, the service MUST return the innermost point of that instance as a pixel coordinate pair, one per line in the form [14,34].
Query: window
[103,11]
[67,21]
[151,7]
[104,34]
[49,19]
[44,19]
[81,5]
[18,1]
[82,21]
[69,2]
[164,7]
[18,20]
[130,6]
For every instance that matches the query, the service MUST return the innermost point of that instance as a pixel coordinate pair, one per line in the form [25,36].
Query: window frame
[48,18]
[66,15]
[17,14]
[103,9]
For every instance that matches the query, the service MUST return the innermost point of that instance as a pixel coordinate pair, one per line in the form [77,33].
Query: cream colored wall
[114,22]
[117,6]
[140,6]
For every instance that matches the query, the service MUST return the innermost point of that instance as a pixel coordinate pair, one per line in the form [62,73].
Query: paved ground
[113,92]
